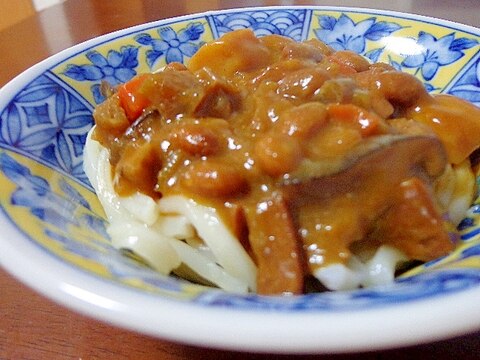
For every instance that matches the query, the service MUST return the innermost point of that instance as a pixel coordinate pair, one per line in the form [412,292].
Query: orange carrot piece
[131,99]
[352,114]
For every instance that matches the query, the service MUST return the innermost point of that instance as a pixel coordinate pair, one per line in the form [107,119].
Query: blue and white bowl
[53,231]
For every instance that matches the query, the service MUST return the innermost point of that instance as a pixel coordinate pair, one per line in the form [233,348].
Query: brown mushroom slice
[276,247]
[339,202]
[417,153]
[413,224]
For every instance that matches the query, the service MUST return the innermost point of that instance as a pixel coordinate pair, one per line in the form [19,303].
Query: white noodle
[207,269]
[156,232]
[455,190]
[378,270]
[464,193]
[152,246]
[227,249]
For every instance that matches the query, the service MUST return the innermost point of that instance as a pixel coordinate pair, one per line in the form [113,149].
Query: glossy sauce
[454,120]
[238,128]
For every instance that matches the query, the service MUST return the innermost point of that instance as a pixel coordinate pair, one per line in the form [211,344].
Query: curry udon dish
[272,166]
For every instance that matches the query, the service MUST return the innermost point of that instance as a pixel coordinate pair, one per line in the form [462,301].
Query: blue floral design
[437,52]
[34,192]
[48,123]
[70,222]
[63,210]
[174,46]
[374,54]
[467,85]
[288,23]
[116,68]
[345,34]
[466,223]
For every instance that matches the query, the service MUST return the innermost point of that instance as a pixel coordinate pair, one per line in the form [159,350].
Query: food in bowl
[281,167]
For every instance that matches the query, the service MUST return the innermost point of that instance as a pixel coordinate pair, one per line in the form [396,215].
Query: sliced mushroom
[276,247]
[339,202]
[394,157]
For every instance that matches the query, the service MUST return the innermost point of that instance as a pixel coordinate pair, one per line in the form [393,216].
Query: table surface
[32,327]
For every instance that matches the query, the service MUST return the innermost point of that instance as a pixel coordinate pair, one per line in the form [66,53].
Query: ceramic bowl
[53,229]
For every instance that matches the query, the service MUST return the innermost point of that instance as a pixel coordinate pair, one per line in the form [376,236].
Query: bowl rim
[291,332]
[278,332]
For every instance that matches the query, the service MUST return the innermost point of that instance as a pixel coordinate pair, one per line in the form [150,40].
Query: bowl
[53,228]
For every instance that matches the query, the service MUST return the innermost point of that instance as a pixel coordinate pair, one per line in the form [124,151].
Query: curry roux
[242,127]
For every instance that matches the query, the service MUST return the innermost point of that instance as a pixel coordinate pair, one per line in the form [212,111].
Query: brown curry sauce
[260,129]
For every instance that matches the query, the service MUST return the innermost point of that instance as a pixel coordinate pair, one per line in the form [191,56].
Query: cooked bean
[213,179]
[400,88]
[278,154]
[381,67]
[334,140]
[278,71]
[381,105]
[366,79]
[195,139]
[351,115]
[237,51]
[302,51]
[304,120]
[351,59]
[303,83]
[324,48]
[276,44]
[336,91]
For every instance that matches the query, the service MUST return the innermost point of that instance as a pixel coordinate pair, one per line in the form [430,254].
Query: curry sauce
[308,154]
